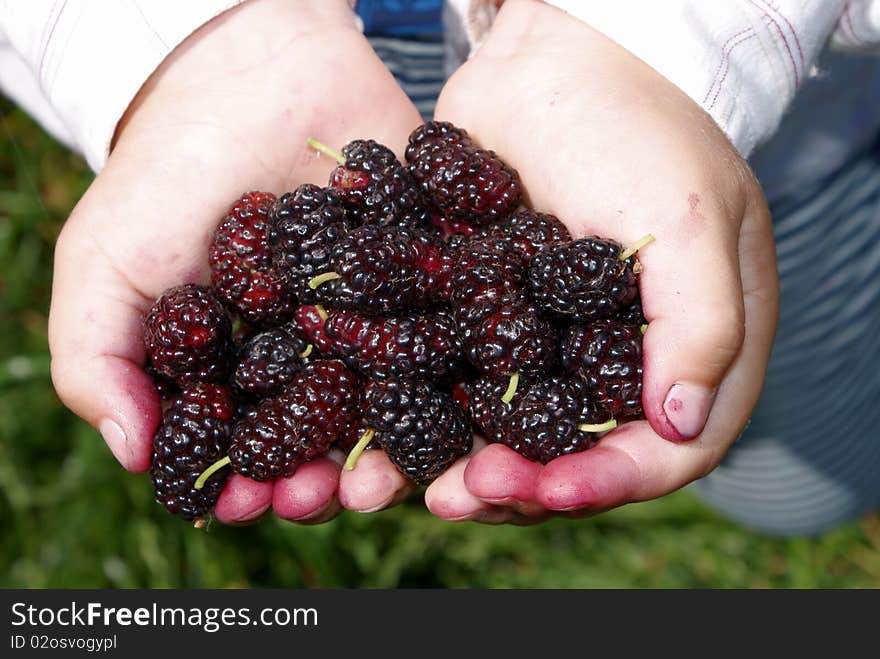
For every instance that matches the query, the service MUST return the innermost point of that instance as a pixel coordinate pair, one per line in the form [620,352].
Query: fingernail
[687,408]
[115,439]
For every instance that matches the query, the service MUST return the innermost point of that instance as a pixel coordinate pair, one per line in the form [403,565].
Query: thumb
[693,301]
[96,348]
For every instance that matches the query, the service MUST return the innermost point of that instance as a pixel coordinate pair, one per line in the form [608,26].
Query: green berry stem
[636,246]
[322,312]
[598,427]
[326,150]
[643,328]
[355,453]
[205,475]
[308,351]
[314,282]
[511,389]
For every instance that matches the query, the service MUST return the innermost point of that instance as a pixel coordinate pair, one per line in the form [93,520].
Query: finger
[374,483]
[501,476]
[449,498]
[243,500]
[692,296]
[633,463]
[96,348]
[309,495]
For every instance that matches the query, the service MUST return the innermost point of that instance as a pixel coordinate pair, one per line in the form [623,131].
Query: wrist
[533,26]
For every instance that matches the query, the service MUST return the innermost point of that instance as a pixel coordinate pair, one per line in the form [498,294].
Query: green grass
[71,518]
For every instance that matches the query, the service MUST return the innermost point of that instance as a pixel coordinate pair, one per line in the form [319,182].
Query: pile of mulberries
[403,307]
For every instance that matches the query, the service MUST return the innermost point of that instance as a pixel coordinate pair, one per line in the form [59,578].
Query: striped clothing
[810,458]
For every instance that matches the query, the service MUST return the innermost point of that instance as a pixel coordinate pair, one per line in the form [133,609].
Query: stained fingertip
[125,452]
[330,511]
[133,413]
[243,500]
[308,493]
[498,474]
[372,485]
[448,498]
[597,479]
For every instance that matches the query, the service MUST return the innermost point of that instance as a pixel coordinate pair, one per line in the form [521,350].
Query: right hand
[228,111]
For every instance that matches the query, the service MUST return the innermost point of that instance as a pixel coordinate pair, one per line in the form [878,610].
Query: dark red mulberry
[376,270]
[421,345]
[299,424]
[242,272]
[460,179]
[308,324]
[187,335]
[525,232]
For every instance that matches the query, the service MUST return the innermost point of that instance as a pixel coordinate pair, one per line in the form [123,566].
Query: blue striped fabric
[810,458]
[418,66]
[408,36]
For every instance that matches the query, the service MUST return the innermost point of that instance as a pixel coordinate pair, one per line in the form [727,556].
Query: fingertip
[129,412]
[498,474]
[448,497]
[308,493]
[243,500]
[372,485]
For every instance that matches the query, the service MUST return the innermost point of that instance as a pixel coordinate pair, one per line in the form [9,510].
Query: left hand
[612,148]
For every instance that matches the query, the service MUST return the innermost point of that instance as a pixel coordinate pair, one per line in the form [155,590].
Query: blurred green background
[72,518]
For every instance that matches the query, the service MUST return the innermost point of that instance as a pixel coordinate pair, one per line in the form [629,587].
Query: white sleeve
[858,27]
[742,61]
[75,65]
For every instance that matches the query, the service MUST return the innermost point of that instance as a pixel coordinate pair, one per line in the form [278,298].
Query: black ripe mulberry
[547,421]
[376,188]
[195,432]
[582,280]
[268,361]
[422,429]
[305,225]
[608,355]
